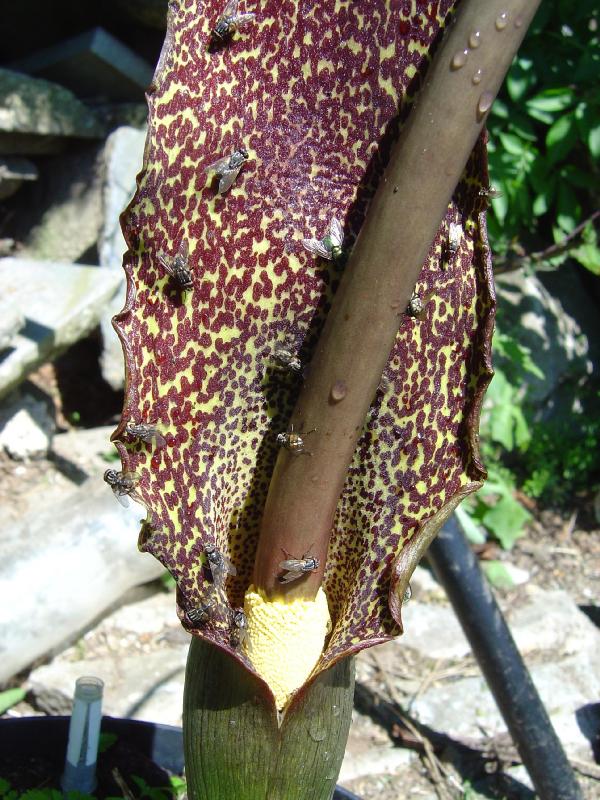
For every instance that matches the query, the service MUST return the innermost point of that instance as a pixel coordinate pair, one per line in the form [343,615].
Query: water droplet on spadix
[459,59]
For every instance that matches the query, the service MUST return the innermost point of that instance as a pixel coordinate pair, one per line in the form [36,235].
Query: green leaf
[42,794]
[568,208]
[506,520]
[593,140]
[552,100]
[10,698]
[497,574]
[105,741]
[4,787]
[474,532]
[512,144]
[588,255]
[561,138]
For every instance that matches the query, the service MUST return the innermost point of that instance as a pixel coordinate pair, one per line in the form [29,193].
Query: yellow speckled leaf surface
[315,93]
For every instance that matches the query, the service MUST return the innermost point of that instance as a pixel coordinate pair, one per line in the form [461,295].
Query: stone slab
[123,160]
[61,566]
[61,303]
[35,114]
[11,321]
[93,64]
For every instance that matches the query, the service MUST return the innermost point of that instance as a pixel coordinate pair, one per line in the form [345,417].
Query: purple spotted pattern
[315,92]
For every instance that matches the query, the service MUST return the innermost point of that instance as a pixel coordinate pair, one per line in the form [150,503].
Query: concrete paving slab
[60,302]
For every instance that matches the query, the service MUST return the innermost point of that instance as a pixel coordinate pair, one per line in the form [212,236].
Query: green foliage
[545,135]
[563,461]
[10,697]
[497,574]
[177,787]
[105,741]
[544,147]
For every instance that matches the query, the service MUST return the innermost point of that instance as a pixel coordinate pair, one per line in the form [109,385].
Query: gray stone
[26,428]
[11,321]
[13,171]
[148,687]
[562,650]
[61,302]
[61,565]
[539,321]
[84,450]
[92,64]
[36,114]
[63,215]
[146,682]
[123,160]
[433,630]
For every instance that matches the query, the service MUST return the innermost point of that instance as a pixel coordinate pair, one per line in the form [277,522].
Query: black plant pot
[46,738]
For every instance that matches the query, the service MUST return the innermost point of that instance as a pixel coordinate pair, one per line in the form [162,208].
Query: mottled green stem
[404,216]
[235,748]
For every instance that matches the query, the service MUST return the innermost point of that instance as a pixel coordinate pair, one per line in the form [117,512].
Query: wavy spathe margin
[316,106]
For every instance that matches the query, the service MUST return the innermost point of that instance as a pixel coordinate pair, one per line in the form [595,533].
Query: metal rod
[507,676]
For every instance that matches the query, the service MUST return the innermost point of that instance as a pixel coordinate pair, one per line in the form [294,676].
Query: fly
[202,613]
[330,247]
[122,483]
[454,237]
[228,168]
[228,22]
[285,358]
[177,267]
[239,628]
[294,442]
[297,567]
[220,566]
[146,433]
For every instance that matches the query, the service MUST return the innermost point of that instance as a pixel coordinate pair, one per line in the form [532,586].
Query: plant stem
[515,261]
[234,744]
[410,201]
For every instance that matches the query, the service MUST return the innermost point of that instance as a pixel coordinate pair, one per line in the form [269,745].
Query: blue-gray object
[84,733]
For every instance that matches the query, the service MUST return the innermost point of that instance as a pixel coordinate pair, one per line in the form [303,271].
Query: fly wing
[122,498]
[230,9]
[158,439]
[183,251]
[166,264]
[290,576]
[242,19]
[228,567]
[131,476]
[293,564]
[227,179]
[219,165]
[317,247]
[336,233]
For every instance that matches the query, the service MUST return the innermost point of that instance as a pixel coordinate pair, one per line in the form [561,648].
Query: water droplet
[317,733]
[475,39]
[485,103]
[338,391]
[326,755]
[519,22]
[336,711]
[476,79]
[459,59]
[501,21]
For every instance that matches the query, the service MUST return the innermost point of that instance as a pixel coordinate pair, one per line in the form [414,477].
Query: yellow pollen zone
[285,639]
